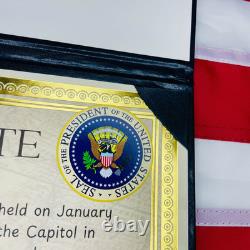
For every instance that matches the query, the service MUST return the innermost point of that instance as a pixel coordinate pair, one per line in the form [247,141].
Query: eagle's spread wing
[120,148]
[94,146]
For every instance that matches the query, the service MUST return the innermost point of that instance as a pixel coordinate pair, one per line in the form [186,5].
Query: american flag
[222,124]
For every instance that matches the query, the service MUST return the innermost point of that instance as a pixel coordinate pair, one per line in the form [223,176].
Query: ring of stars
[79,169]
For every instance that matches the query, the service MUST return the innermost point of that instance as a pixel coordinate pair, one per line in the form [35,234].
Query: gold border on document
[69,92]
[169,193]
[165,202]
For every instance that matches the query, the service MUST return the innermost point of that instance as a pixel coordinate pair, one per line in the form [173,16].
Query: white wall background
[152,27]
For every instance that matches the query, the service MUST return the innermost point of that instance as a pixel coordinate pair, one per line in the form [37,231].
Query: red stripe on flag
[222,101]
[222,238]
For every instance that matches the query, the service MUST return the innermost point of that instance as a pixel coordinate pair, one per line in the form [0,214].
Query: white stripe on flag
[223,31]
[222,174]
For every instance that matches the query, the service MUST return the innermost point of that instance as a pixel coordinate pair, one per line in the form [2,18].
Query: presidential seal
[104,153]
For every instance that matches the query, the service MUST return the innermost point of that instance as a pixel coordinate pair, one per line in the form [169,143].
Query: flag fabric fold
[222,125]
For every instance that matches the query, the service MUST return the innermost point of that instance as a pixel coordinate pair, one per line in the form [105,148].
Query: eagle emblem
[107,144]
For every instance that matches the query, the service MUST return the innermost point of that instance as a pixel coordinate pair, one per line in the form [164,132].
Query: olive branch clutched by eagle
[88,161]
[107,145]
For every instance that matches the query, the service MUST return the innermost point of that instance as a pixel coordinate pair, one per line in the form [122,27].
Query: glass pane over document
[85,166]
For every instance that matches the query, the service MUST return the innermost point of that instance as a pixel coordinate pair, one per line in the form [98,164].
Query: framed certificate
[96,169]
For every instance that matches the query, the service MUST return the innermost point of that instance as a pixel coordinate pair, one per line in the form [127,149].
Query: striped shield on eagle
[106,159]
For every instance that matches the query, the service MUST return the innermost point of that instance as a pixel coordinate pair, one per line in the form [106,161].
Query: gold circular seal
[104,153]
